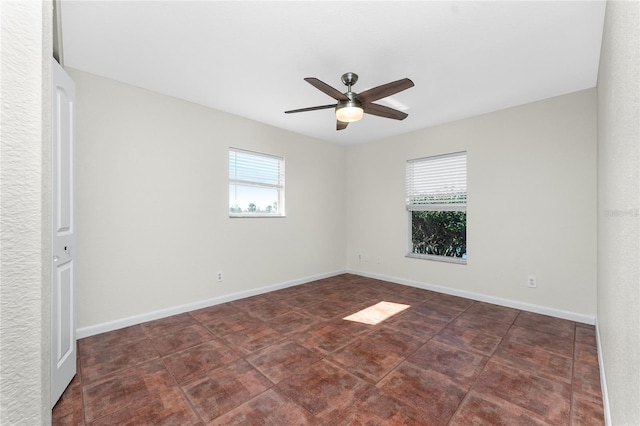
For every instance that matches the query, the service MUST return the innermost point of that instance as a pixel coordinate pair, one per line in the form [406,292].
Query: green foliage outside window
[441,233]
[253,208]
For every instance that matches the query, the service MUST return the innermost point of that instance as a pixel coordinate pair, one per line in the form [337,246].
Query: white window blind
[437,183]
[252,168]
[256,183]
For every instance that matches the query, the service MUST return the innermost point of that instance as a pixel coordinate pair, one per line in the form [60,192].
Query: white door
[63,321]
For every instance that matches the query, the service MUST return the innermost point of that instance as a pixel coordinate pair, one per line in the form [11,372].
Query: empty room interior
[343,292]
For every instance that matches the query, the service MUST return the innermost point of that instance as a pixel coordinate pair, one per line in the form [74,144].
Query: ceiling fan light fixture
[349,112]
[351,106]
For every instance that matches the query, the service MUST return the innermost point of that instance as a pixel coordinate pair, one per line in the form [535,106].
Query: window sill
[446,259]
[235,216]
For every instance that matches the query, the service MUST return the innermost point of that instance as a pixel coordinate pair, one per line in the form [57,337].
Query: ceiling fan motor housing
[351,103]
[351,110]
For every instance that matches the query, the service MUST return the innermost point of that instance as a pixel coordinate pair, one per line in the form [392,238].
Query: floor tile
[498,313]
[435,311]
[115,358]
[168,325]
[586,354]
[472,340]
[232,323]
[462,367]
[415,324]
[329,309]
[352,286]
[347,297]
[323,388]
[549,399]
[406,299]
[476,410]
[268,408]
[377,408]
[556,326]
[300,300]
[266,311]
[168,408]
[484,324]
[281,360]
[397,342]
[549,342]
[214,313]
[285,293]
[194,362]
[100,342]
[69,409]
[419,295]
[586,334]
[248,303]
[291,322]
[373,356]
[329,336]
[187,337]
[119,390]
[434,395]
[586,380]
[225,388]
[535,360]
[249,340]
[452,302]
[318,294]
[374,294]
[587,410]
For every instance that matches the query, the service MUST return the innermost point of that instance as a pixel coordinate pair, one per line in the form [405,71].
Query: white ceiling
[250,58]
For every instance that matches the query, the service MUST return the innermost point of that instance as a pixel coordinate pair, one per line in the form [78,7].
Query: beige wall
[25,218]
[531,206]
[618,211]
[152,204]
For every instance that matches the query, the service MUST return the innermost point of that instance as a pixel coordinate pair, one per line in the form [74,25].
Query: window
[437,207]
[256,184]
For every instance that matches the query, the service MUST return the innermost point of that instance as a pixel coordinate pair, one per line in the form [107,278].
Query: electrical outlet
[219,276]
[531,281]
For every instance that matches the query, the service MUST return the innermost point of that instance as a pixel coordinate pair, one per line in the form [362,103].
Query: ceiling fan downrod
[349,79]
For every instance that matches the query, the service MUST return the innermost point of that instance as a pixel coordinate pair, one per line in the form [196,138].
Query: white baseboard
[174,310]
[558,313]
[603,380]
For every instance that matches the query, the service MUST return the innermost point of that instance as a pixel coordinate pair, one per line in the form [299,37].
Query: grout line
[603,379]
[573,366]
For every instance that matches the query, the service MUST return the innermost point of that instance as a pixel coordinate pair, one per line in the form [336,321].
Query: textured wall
[619,210]
[25,58]
[531,205]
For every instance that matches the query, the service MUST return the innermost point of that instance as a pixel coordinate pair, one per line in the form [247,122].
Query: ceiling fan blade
[385,90]
[341,125]
[311,108]
[384,111]
[324,87]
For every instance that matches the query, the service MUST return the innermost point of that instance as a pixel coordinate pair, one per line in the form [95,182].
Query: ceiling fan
[351,106]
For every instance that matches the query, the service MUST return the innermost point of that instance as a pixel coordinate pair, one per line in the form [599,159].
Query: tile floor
[288,358]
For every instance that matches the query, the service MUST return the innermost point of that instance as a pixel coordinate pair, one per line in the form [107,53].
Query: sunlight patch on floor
[377,313]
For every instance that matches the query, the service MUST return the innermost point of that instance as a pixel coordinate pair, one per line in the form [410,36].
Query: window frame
[449,206]
[279,186]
